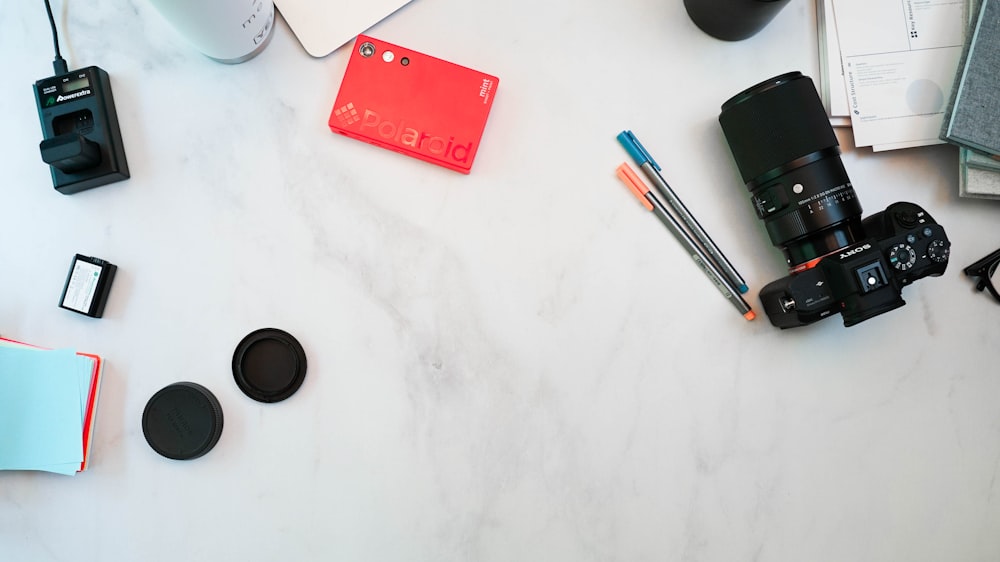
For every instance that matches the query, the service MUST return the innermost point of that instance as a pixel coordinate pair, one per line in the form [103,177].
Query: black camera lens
[367,49]
[789,158]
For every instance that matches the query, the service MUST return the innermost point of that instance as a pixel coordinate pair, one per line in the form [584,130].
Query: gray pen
[649,166]
[648,200]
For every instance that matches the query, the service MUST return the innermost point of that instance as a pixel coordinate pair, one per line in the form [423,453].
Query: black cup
[733,20]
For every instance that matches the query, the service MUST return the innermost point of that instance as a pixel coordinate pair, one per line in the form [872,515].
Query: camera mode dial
[938,251]
[902,257]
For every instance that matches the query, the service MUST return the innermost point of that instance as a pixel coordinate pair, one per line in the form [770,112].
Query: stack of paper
[48,404]
[899,61]
[832,89]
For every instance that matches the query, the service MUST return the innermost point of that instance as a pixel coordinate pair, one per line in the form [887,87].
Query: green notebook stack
[972,121]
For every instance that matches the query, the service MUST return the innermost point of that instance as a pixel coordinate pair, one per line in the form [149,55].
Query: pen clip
[636,150]
[634,184]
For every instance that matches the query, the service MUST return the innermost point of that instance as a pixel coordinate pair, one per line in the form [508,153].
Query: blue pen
[649,167]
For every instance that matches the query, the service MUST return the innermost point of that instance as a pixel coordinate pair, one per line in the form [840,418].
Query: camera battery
[87,286]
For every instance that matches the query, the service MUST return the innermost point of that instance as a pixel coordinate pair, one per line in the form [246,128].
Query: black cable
[58,64]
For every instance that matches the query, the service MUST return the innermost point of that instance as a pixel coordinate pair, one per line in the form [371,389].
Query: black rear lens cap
[269,365]
[182,421]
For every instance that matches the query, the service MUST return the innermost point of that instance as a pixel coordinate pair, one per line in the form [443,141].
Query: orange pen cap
[634,184]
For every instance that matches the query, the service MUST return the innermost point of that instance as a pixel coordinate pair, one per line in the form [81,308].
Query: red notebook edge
[90,418]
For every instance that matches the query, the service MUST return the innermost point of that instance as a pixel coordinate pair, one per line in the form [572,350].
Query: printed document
[899,60]
[834,92]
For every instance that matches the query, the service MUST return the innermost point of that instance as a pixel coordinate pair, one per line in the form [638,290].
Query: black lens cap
[182,421]
[269,365]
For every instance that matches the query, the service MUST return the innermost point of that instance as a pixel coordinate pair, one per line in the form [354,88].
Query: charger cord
[58,63]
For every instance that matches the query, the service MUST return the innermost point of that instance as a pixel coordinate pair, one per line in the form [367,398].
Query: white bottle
[229,31]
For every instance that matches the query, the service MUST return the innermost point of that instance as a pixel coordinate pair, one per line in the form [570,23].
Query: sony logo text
[853,251]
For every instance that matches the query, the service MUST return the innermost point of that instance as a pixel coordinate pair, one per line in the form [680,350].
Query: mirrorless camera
[789,157]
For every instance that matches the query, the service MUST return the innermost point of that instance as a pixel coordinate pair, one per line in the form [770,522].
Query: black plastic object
[82,141]
[733,20]
[269,365]
[88,284]
[182,421]
[71,153]
[982,272]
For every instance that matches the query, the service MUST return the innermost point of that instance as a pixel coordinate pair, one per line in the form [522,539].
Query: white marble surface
[519,364]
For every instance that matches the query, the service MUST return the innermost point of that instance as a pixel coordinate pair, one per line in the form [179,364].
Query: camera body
[866,278]
[789,158]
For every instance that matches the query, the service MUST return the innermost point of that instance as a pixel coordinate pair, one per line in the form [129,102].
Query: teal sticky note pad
[40,408]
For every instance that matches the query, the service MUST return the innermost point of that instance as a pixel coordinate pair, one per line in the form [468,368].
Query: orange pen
[649,200]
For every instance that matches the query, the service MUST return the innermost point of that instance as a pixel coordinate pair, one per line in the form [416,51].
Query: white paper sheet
[900,59]
[831,65]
